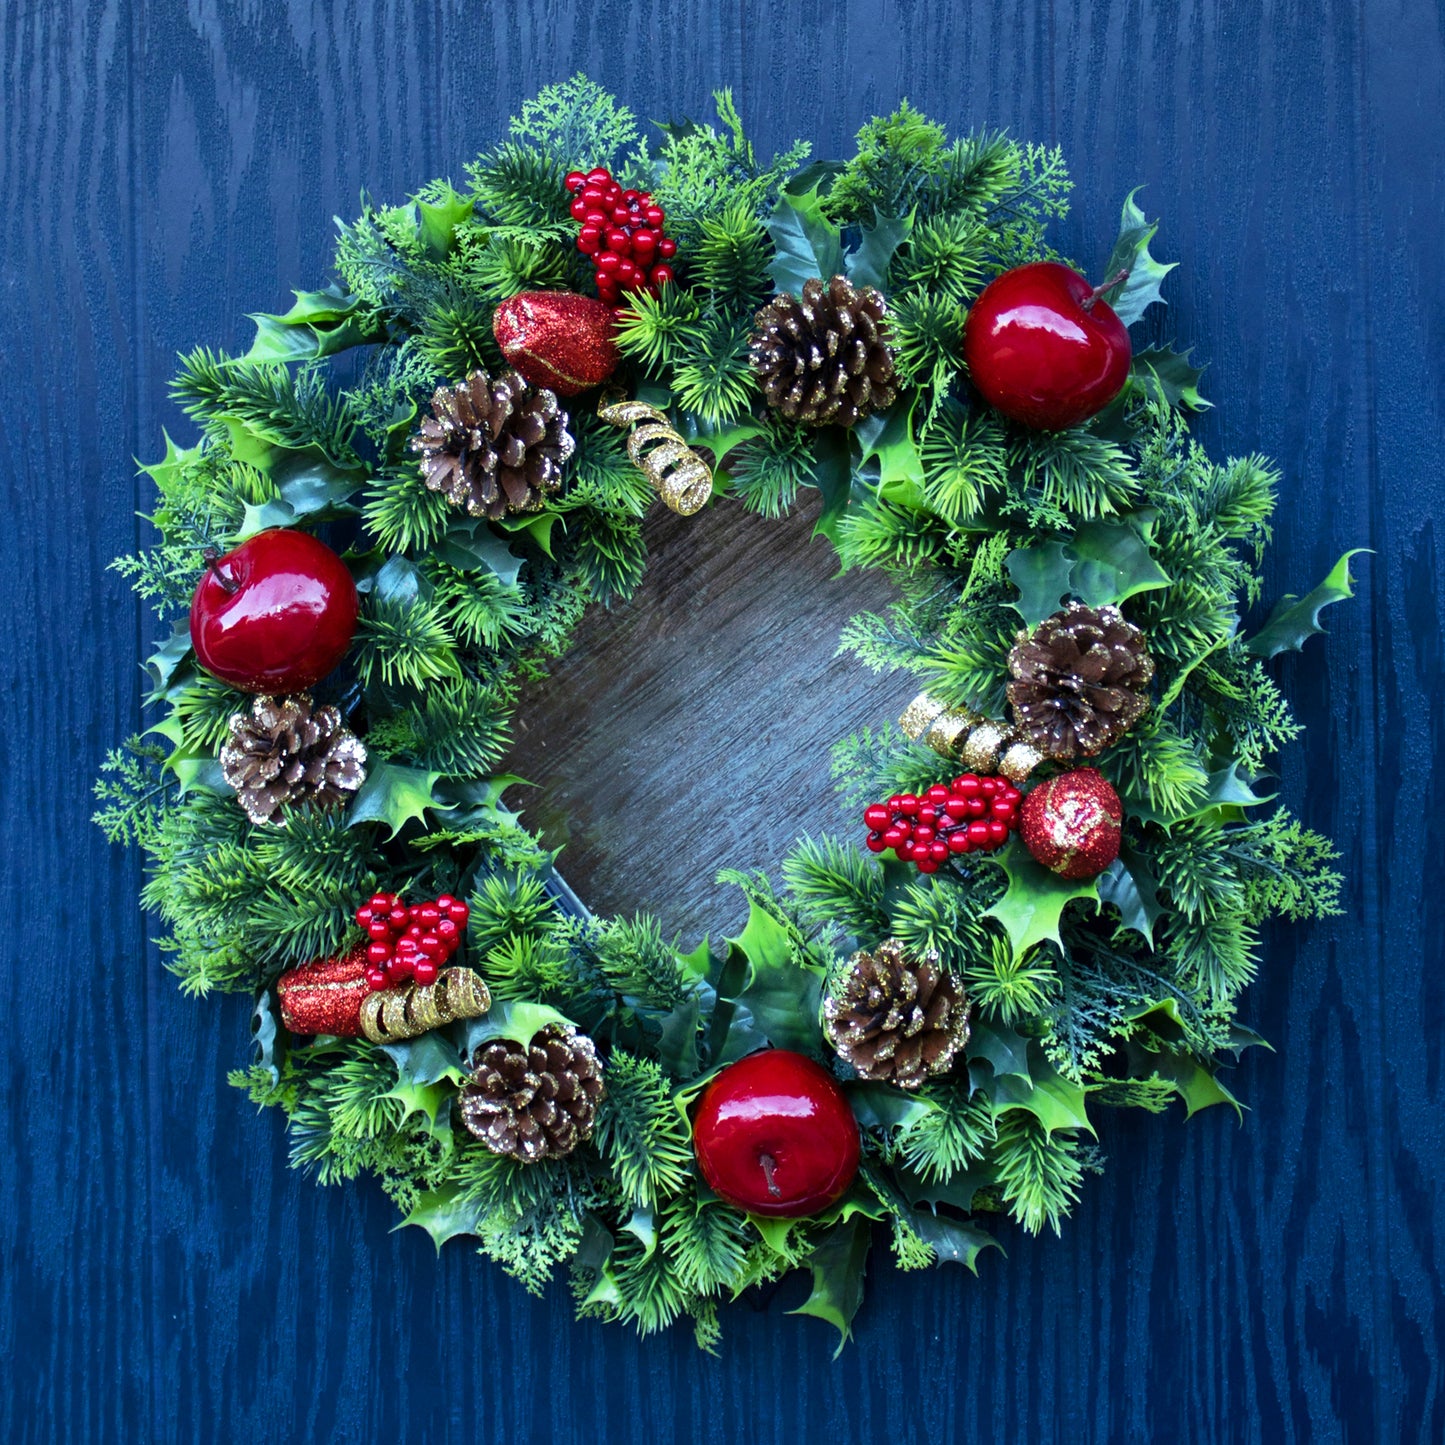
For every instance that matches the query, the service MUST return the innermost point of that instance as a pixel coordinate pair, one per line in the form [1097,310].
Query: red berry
[447,930]
[988,786]
[958,842]
[598,220]
[598,176]
[976,806]
[937,793]
[661,275]
[644,243]
[667,247]
[589,240]
[893,837]
[431,945]
[574,180]
[908,804]
[997,833]
[378,902]
[397,972]
[938,851]
[608,262]
[427,915]
[876,816]
[896,801]
[375,979]
[460,913]
[967,785]
[406,947]
[924,834]
[1003,810]
[379,928]
[655,215]
[578,209]
[426,973]
[444,902]
[874,843]
[927,865]
[619,241]
[378,952]
[978,834]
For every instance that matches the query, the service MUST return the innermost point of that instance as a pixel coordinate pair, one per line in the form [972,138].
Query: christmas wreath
[1067,846]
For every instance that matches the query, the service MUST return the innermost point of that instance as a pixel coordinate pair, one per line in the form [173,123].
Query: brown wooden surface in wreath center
[690,729]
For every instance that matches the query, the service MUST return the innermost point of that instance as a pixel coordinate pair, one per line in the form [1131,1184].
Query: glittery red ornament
[1072,824]
[557,340]
[325,997]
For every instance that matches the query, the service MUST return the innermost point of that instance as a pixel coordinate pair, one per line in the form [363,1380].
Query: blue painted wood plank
[168,167]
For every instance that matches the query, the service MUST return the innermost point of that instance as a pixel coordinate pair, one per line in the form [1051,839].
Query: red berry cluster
[410,943]
[622,232]
[969,815]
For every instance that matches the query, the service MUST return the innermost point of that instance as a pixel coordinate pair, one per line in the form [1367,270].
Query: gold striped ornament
[963,736]
[393,1014]
[678,474]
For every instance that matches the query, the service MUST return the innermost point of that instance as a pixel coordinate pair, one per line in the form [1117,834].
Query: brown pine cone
[538,1102]
[1080,681]
[494,447]
[826,358]
[897,1019]
[289,753]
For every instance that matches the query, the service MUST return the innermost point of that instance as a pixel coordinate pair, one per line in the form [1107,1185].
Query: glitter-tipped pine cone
[825,359]
[493,447]
[895,1018]
[536,1101]
[1079,681]
[288,753]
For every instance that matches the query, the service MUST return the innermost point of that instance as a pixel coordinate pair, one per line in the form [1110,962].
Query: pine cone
[494,447]
[289,753]
[825,358]
[895,1019]
[538,1102]
[1080,681]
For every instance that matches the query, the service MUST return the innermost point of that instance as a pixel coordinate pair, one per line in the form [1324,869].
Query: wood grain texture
[167,167]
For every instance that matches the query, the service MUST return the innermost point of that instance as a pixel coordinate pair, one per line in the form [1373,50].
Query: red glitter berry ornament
[1072,824]
[557,340]
[622,231]
[969,815]
[410,944]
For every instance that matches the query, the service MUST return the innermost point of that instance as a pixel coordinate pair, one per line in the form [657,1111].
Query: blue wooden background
[167,166]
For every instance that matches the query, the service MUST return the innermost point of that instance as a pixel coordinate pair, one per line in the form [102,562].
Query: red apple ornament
[1043,348]
[275,615]
[775,1136]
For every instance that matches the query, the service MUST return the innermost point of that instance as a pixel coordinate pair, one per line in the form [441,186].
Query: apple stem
[212,556]
[770,1166]
[1088,302]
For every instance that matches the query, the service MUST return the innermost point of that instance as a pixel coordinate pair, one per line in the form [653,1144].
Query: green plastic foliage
[1102,563]
[780,997]
[1032,907]
[806,244]
[1133,296]
[1296,619]
[393,796]
[838,1266]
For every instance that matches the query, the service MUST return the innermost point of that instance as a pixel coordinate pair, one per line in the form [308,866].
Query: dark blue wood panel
[167,167]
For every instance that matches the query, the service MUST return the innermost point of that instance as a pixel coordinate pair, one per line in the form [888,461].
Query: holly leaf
[427,1070]
[1034,902]
[1163,374]
[1195,1084]
[1056,1102]
[726,439]
[1041,575]
[833,477]
[1296,619]
[444,1213]
[677,1048]
[781,997]
[176,459]
[1111,564]
[839,1265]
[393,795]
[263,1035]
[437,222]
[876,1106]
[954,1241]
[868,265]
[1005,1050]
[805,242]
[307,485]
[161,665]
[470,544]
[1140,290]
[510,1019]
[1225,788]
[319,323]
[1128,884]
[887,438]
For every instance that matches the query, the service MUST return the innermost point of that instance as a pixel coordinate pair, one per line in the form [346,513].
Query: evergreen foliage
[1130,1002]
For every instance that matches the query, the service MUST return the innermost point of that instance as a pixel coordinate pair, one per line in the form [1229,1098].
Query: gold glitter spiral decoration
[404,1013]
[680,476]
[963,736]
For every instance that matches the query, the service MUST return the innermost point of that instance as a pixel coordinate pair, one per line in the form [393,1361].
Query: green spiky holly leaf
[954,1241]
[1034,902]
[1131,297]
[1296,619]
[838,1265]
[393,796]
[1166,375]
[806,243]
[445,1213]
[780,998]
[868,264]
[319,323]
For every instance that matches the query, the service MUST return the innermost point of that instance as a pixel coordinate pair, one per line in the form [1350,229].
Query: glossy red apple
[774,1135]
[276,614]
[1043,348]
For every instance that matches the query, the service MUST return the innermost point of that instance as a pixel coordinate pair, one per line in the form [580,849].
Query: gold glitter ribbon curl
[405,1013]
[678,474]
[980,744]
